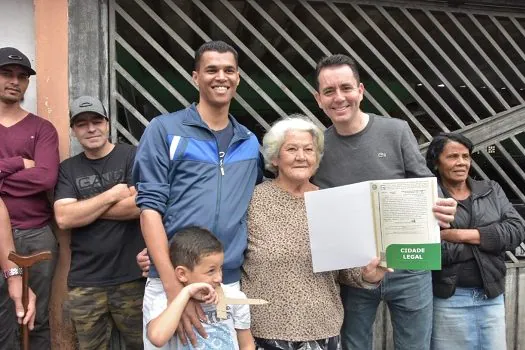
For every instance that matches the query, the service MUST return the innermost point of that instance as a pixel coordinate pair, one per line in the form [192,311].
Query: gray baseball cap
[10,55]
[85,104]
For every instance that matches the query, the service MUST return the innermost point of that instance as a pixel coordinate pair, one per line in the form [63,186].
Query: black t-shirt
[469,275]
[103,252]
[224,137]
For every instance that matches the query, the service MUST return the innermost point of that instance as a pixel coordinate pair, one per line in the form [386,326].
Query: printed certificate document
[392,219]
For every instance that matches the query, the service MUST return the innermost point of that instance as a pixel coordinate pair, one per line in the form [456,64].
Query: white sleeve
[241,316]
[240,313]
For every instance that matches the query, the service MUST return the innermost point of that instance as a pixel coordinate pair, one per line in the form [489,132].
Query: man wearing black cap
[95,198]
[28,170]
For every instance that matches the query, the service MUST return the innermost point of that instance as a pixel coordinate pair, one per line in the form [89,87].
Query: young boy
[197,256]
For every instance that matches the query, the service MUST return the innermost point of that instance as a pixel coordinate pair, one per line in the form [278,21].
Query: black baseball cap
[85,104]
[10,55]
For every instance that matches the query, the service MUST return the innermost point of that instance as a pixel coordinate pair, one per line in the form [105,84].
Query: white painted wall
[18,30]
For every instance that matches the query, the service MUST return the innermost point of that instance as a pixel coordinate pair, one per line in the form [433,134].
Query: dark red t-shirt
[24,191]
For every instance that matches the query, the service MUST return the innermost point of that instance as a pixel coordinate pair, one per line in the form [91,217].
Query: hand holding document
[392,219]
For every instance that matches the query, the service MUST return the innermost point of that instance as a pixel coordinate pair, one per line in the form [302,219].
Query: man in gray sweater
[360,147]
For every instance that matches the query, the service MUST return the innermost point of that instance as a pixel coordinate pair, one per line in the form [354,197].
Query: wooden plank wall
[515,305]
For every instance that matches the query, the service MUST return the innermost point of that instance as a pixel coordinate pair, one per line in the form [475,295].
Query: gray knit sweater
[384,149]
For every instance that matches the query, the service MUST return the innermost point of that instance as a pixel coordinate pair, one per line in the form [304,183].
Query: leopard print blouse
[278,268]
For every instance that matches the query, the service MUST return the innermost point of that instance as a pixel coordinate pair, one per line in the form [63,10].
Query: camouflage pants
[95,310]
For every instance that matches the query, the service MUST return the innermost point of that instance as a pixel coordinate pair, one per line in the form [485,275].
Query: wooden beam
[88,53]
[493,129]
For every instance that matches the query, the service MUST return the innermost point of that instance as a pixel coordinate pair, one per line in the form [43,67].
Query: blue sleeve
[150,171]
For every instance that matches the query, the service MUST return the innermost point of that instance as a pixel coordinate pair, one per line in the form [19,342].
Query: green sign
[414,256]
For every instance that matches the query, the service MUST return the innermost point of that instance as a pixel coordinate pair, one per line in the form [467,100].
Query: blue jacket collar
[192,117]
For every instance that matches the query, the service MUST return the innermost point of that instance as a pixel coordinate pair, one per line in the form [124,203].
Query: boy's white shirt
[221,333]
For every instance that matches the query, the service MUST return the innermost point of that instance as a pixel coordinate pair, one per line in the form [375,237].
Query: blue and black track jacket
[179,174]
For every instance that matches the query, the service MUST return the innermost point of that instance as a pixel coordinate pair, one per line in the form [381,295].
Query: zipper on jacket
[238,135]
[221,162]
[219,186]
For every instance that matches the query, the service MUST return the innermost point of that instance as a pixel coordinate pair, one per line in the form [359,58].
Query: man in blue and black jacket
[196,167]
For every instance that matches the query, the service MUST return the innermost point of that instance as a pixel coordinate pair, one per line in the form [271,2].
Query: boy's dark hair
[191,244]
[438,143]
[335,61]
[217,46]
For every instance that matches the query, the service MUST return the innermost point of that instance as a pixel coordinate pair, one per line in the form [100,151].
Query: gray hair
[274,138]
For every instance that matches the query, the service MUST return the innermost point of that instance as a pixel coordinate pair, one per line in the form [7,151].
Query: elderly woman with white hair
[304,310]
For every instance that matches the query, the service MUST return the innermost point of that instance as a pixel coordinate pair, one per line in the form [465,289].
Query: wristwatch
[14,271]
